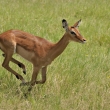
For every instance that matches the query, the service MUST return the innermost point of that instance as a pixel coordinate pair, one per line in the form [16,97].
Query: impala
[39,51]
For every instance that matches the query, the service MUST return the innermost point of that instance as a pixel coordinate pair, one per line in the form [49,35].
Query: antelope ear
[77,24]
[65,24]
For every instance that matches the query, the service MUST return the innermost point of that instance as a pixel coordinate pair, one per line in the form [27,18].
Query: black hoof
[19,65]
[24,71]
[23,84]
[17,76]
[3,55]
[30,88]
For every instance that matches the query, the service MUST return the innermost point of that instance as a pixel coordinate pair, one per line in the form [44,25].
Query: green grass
[79,79]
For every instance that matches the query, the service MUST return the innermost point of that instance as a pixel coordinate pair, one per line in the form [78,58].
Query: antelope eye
[73,32]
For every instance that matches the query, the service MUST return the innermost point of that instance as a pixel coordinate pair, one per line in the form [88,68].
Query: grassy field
[79,79]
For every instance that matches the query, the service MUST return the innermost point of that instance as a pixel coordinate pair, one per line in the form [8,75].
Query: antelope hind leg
[5,64]
[21,65]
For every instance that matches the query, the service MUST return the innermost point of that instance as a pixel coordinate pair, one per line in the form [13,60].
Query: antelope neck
[59,46]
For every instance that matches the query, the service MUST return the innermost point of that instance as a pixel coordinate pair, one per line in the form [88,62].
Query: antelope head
[73,32]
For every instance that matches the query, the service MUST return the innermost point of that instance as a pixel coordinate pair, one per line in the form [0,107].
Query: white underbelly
[28,55]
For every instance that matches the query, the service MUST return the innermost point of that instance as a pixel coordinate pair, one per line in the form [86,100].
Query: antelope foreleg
[44,69]
[33,79]
[34,76]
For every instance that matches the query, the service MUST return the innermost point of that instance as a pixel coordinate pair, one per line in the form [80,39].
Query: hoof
[22,84]
[25,84]
[19,65]
[24,71]
[3,55]
[30,88]
[17,76]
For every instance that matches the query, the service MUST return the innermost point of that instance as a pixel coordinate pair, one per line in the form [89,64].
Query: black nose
[84,39]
